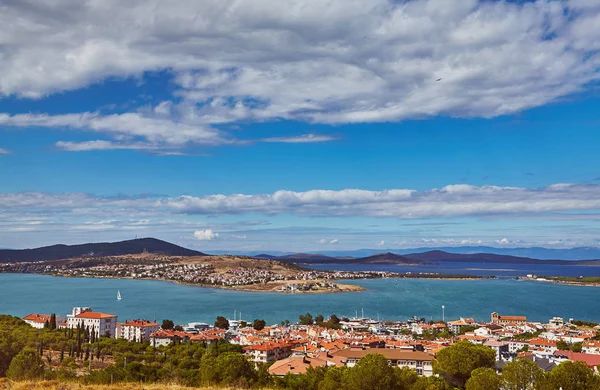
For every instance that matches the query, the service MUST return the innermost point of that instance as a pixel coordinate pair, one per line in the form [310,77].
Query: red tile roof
[40,318]
[94,315]
[139,323]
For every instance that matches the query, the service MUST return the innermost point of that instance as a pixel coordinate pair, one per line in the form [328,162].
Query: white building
[37,320]
[136,330]
[456,326]
[162,338]
[100,323]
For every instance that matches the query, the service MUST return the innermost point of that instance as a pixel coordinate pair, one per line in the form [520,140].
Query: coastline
[273,287]
[270,287]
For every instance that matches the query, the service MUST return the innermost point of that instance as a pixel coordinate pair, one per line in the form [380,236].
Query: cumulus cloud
[340,61]
[205,235]
[459,200]
[451,201]
[380,243]
[4,151]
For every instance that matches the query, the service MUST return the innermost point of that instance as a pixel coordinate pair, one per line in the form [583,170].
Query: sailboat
[119,297]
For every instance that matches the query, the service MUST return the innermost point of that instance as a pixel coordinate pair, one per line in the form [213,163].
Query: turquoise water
[396,299]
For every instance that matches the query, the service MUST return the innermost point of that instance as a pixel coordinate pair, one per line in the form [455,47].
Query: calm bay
[395,299]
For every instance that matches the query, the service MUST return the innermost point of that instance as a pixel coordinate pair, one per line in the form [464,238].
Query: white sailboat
[119,297]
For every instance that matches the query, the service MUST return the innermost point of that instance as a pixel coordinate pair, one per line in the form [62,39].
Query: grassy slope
[55,385]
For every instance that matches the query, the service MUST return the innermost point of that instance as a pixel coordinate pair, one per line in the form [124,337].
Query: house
[498,319]
[420,361]
[500,347]
[543,345]
[269,352]
[136,330]
[515,346]
[163,337]
[37,320]
[591,347]
[456,326]
[101,324]
[592,361]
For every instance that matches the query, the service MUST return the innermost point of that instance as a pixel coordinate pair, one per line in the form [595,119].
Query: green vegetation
[259,324]
[75,355]
[457,362]
[581,280]
[585,323]
[167,325]
[222,323]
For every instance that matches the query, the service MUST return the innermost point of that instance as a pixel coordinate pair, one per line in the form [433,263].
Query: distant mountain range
[430,257]
[307,258]
[152,245]
[56,252]
[579,253]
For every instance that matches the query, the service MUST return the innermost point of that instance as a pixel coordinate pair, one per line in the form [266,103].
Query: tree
[562,345]
[259,324]
[405,378]
[521,374]
[577,347]
[319,319]
[372,372]
[53,321]
[572,376]
[305,319]
[455,363]
[178,328]
[233,368]
[167,325]
[334,378]
[222,323]
[27,365]
[207,368]
[483,378]
[332,323]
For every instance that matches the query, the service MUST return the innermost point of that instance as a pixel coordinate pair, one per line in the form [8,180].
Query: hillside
[303,258]
[441,256]
[56,252]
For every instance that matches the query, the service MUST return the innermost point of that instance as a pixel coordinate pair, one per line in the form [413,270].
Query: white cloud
[154,130]
[306,138]
[380,243]
[555,201]
[239,237]
[304,60]
[504,241]
[449,201]
[205,235]
[327,241]
[4,151]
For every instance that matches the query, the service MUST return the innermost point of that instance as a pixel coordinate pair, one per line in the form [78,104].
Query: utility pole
[443,313]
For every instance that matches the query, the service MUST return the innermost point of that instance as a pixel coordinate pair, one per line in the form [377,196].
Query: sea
[390,299]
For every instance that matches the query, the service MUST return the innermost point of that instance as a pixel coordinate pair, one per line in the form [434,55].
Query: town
[241,273]
[342,342]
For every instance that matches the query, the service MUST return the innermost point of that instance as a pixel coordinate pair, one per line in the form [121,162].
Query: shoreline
[271,287]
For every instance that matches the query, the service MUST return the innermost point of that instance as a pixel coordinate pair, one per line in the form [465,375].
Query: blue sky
[217,127]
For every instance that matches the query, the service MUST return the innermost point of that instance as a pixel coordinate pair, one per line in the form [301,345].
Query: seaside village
[293,348]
